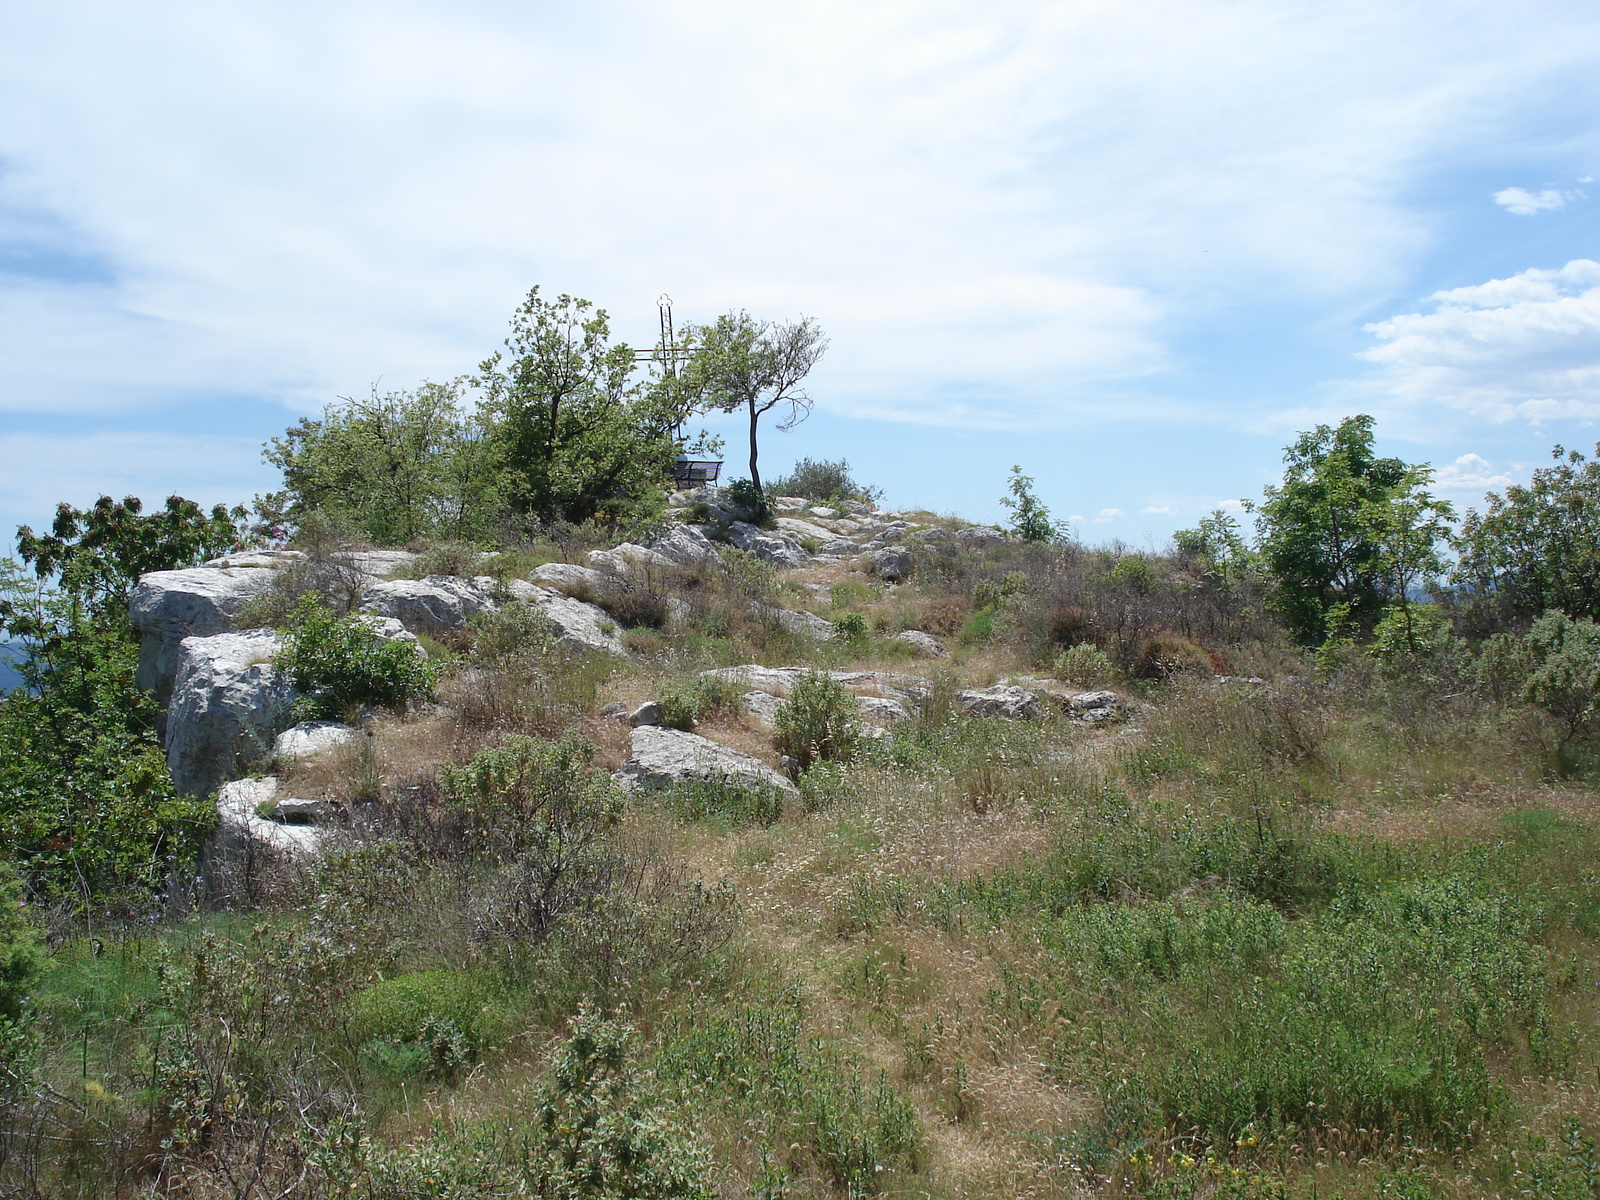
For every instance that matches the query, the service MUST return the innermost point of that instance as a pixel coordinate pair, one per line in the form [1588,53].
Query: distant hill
[8,673]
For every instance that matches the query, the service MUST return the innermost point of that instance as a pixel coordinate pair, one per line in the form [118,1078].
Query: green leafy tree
[1030,519]
[87,806]
[738,362]
[1217,545]
[1538,547]
[1565,679]
[393,467]
[1346,530]
[97,554]
[577,437]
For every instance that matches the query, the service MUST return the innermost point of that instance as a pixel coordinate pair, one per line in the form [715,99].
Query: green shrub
[1565,680]
[442,558]
[538,811]
[1086,665]
[341,663]
[686,702]
[21,960]
[819,720]
[596,1135]
[750,502]
[850,625]
[822,480]
[428,1022]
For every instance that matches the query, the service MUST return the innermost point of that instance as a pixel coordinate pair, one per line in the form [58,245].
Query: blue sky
[1132,247]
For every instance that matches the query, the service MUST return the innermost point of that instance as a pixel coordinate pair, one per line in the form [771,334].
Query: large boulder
[1002,700]
[258,833]
[436,605]
[576,624]
[924,644]
[979,535]
[660,757]
[168,606]
[581,583]
[798,528]
[685,545]
[775,548]
[228,705]
[889,563]
[905,689]
[802,624]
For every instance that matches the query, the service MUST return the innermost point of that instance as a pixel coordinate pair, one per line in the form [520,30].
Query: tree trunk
[755,475]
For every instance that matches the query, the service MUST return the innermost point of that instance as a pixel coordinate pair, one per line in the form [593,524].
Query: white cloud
[1470,473]
[1107,514]
[1161,510]
[1525,203]
[1527,346]
[997,211]
[1076,519]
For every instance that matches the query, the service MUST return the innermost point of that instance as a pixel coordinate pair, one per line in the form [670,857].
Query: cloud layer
[1523,347]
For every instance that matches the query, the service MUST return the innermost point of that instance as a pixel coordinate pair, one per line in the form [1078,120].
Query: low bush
[819,720]
[442,558]
[823,480]
[339,664]
[1085,665]
[685,702]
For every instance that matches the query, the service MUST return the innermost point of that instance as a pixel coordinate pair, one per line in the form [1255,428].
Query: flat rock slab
[661,757]
[906,689]
[924,644]
[1002,700]
[802,624]
[312,737]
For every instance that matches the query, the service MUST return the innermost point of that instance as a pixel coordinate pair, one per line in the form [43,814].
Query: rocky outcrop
[762,707]
[168,606]
[1002,700]
[924,644]
[258,834]
[575,624]
[802,624]
[906,689]
[800,529]
[889,563]
[436,605]
[662,757]
[228,704]
[311,737]
[581,583]
[685,545]
[774,548]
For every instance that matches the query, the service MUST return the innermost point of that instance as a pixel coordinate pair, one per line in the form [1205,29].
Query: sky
[1130,247]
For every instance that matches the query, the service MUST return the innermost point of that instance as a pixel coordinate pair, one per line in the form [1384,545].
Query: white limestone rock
[168,606]
[247,844]
[838,548]
[577,625]
[581,583]
[685,545]
[436,605]
[925,644]
[311,737]
[257,558]
[979,535]
[890,563]
[803,624]
[661,757]
[906,689]
[228,704]
[1003,700]
[780,549]
[797,528]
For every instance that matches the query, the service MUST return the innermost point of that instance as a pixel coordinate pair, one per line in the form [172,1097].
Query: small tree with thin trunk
[741,363]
